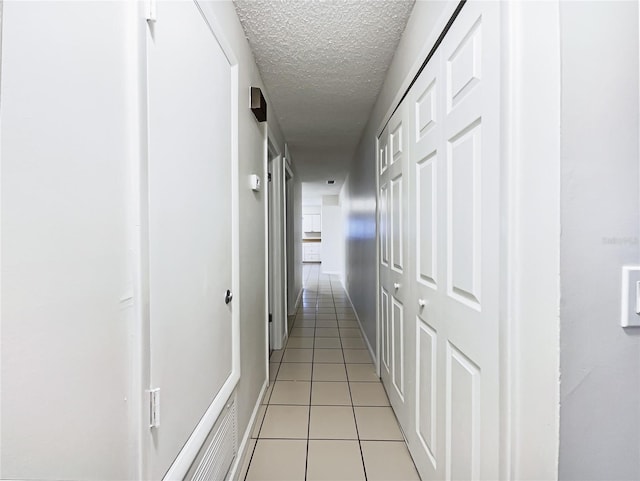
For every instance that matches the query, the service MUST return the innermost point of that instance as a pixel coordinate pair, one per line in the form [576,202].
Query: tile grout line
[313,352]
[353,409]
[268,402]
[266,408]
[320,297]
[399,441]
[253,451]
[324,287]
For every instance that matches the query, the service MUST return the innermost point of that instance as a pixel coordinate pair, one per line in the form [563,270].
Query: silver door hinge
[154,407]
[151,11]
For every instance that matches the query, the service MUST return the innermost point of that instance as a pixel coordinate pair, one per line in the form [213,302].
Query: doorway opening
[276,245]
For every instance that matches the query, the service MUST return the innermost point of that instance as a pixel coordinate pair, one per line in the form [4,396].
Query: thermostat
[255,182]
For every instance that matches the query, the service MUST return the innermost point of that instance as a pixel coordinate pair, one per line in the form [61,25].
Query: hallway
[466,172]
[325,414]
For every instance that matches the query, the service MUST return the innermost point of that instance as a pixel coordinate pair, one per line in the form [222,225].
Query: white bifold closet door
[190,95]
[451,298]
[394,274]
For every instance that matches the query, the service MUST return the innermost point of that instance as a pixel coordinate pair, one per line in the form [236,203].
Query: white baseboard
[372,352]
[234,472]
[299,299]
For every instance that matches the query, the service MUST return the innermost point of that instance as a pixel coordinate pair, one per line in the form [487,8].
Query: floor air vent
[223,447]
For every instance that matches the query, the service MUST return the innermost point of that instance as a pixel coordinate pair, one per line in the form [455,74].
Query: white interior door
[271,301]
[451,299]
[193,358]
[469,351]
[428,240]
[394,278]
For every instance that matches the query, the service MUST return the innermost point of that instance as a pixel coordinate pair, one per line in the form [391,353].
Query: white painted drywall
[67,275]
[332,256]
[599,360]
[294,239]
[344,212]
[69,161]
[312,208]
[359,191]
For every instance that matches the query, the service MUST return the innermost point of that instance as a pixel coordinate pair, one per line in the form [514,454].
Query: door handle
[396,285]
[422,302]
[228,297]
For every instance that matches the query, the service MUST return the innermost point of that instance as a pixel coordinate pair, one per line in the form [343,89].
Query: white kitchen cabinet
[306,223]
[311,223]
[311,251]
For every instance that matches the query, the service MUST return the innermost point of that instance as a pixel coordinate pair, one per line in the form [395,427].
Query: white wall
[69,160]
[600,361]
[311,208]
[294,240]
[332,255]
[359,190]
[67,274]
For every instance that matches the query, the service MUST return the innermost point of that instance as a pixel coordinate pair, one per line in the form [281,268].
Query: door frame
[530,325]
[529,367]
[270,156]
[140,359]
[275,247]
[288,246]
[378,346]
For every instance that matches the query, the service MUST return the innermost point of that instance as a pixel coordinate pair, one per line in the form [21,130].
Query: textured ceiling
[323,64]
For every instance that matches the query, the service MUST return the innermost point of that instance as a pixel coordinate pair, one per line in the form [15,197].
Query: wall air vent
[214,461]
[331,182]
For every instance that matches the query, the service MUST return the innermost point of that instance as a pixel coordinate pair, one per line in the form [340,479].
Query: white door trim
[288,249]
[378,346]
[139,330]
[265,201]
[531,163]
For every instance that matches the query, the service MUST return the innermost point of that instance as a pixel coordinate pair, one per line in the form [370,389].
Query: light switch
[630,315]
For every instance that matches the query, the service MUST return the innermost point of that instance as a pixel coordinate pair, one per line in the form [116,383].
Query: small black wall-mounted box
[258,104]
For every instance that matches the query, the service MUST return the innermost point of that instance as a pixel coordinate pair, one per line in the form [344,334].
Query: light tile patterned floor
[326,415]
